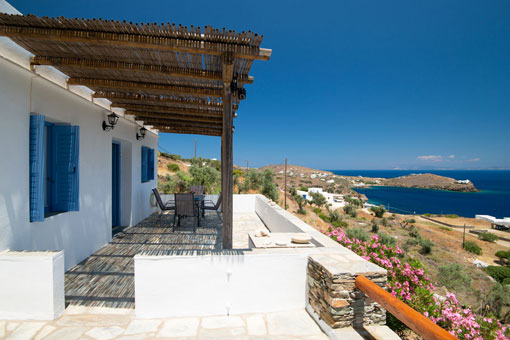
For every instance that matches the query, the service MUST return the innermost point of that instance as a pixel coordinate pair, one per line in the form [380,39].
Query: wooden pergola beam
[139,86]
[136,40]
[171,110]
[189,131]
[132,67]
[150,115]
[158,122]
[118,97]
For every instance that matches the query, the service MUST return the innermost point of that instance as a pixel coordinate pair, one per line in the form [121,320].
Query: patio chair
[185,206]
[197,189]
[168,205]
[209,205]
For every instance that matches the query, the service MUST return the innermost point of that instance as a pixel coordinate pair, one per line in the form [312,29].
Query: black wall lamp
[235,89]
[112,121]
[143,131]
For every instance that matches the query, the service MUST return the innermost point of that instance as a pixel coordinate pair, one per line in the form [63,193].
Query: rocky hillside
[430,181]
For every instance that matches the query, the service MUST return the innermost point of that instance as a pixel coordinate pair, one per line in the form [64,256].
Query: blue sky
[353,84]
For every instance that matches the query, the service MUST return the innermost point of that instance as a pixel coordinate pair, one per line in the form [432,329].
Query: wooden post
[285,187]
[227,163]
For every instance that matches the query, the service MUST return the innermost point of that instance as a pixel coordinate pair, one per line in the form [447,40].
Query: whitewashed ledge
[31,285]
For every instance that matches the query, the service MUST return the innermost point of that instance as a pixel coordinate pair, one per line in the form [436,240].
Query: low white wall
[274,221]
[218,284]
[31,285]
[244,203]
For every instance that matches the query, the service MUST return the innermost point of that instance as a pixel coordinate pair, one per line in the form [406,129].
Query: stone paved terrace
[79,322]
[106,278]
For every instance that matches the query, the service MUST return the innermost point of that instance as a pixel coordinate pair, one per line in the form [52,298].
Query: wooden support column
[227,163]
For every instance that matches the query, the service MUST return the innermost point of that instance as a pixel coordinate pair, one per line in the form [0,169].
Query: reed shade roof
[169,76]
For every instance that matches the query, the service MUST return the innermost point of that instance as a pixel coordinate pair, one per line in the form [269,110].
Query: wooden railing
[411,318]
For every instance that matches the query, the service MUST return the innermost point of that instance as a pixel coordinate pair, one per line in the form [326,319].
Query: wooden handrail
[423,326]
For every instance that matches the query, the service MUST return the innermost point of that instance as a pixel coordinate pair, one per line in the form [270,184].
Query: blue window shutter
[36,168]
[144,163]
[66,167]
[151,164]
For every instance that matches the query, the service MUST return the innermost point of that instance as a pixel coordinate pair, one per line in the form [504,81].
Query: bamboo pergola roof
[171,77]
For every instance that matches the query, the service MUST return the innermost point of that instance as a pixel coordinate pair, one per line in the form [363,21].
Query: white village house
[83,104]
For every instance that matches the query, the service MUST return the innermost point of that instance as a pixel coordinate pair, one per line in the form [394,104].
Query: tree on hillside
[318,199]
[255,179]
[378,211]
[301,202]
[269,187]
[207,176]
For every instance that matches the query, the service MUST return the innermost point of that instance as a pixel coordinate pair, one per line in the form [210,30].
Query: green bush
[317,210]
[303,188]
[173,167]
[506,281]
[451,216]
[318,199]
[486,236]
[375,227]
[472,247]
[334,215]
[413,232]
[426,246]
[453,276]
[339,224]
[357,233]
[499,273]
[323,216]
[387,239]
[384,222]
[410,220]
[269,188]
[378,211]
[503,254]
[350,210]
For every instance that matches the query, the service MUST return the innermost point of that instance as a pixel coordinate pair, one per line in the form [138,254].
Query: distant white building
[463,181]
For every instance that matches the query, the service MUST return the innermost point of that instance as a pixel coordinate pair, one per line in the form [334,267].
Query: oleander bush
[407,281]
[488,237]
[472,247]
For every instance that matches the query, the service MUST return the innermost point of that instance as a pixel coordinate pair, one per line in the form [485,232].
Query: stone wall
[333,295]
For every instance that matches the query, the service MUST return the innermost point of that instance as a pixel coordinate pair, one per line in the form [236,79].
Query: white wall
[31,285]
[219,284]
[244,203]
[82,232]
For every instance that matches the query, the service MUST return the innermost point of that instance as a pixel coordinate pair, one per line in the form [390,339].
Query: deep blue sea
[493,199]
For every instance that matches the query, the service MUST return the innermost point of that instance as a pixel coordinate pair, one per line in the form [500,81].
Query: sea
[493,198]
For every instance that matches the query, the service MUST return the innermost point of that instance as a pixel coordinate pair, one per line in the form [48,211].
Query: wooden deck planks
[106,278]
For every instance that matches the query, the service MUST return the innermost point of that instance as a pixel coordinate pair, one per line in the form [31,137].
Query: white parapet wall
[31,285]
[221,283]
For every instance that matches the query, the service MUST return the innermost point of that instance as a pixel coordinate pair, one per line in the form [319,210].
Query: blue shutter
[151,164]
[145,151]
[65,167]
[36,154]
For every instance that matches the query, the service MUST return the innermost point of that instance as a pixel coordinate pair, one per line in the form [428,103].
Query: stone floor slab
[44,332]
[68,333]
[26,331]
[179,327]
[213,322]
[142,326]
[105,333]
[256,325]
[2,329]
[292,323]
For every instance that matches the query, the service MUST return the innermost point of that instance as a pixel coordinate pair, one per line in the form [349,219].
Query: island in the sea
[430,181]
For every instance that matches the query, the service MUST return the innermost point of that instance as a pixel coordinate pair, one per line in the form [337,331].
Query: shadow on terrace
[106,278]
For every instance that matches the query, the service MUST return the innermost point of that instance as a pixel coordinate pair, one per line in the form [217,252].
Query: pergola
[173,78]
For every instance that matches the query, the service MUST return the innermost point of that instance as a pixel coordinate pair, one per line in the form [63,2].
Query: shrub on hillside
[323,217]
[384,222]
[453,276]
[387,239]
[486,236]
[334,215]
[503,255]
[375,227]
[269,187]
[506,281]
[410,221]
[472,247]
[499,273]
[426,246]
[317,210]
[413,232]
[349,209]
[357,233]
[339,224]
[173,167]
[378,211]
[318,199]
[451,216]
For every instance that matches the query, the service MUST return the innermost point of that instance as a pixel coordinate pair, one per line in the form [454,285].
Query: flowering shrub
[407,281]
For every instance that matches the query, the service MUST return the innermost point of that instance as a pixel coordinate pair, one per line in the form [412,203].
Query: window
[54,184]
[147,164]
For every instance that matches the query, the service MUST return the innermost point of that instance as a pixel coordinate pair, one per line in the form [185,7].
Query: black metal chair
[209,205]
[168,205]
[185,206]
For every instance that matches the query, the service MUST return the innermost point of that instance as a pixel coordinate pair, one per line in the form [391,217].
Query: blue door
[115,184]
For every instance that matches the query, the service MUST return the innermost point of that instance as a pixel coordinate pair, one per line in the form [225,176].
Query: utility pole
[285,199]
[247,169]
[195,148]
[464,236]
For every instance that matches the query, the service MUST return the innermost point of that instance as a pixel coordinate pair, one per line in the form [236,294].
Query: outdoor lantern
[143,131]
[112,121]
